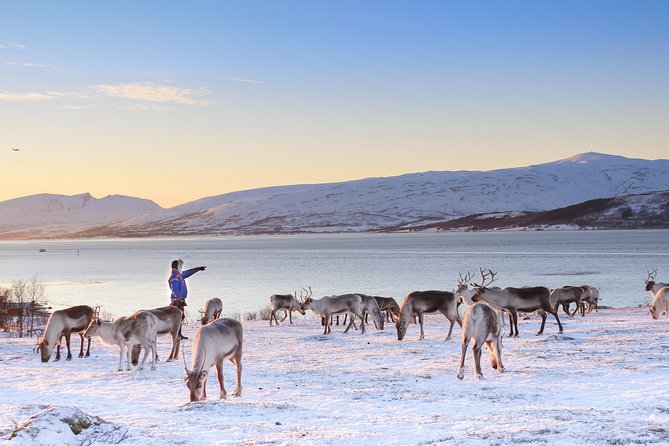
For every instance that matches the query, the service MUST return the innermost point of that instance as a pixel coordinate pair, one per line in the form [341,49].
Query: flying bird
[15,149]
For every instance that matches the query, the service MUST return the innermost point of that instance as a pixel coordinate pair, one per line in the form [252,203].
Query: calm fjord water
[126,275]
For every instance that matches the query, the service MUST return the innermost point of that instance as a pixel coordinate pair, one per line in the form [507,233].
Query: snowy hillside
[634,211]
[371,204]
[50,214]
[412,199]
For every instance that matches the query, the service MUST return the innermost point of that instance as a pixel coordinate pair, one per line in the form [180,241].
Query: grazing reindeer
[389,306]
[652,286]
[214,343]
[482,325]
[212,310]
[63,323]
[420,302]
[286,302]
[370,306]
[590,299]
[660,305]
[139,328]
[513,300]
[565,296]
[169,322]
[329,305]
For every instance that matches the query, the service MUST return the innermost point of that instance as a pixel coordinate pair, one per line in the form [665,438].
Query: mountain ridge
[379,203]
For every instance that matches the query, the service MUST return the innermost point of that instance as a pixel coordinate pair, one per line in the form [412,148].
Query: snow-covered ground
[605,381]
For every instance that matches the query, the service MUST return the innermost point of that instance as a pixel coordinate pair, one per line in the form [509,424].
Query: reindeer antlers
[651,275]
[304,296]
[487,277]
[464,280]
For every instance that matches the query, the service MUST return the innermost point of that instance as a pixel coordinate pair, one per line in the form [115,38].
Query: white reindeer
[212,310]
[482,325]
[329,305]
[660,305]
[286,302]
[139,328]
[214,343]
[63,323]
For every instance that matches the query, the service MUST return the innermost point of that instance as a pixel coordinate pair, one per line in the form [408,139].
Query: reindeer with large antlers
[651,286]
[214,343]
[660,293]
[513,300]
[288,303]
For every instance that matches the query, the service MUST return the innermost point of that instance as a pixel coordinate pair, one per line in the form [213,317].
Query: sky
[174,101]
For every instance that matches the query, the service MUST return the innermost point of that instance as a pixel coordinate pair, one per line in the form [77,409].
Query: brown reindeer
[63,323]
[513,300]
[418,303]
[169,322]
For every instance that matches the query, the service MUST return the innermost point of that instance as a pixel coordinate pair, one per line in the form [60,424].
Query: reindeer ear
[204,373]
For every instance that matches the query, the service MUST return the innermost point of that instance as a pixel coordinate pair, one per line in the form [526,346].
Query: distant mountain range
[417,201]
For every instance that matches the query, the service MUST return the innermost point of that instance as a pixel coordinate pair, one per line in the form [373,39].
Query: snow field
[604,381]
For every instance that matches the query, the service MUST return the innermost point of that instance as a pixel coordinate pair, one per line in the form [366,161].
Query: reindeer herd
[220,339]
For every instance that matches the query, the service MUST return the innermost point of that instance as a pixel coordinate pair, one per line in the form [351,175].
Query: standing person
[178,286]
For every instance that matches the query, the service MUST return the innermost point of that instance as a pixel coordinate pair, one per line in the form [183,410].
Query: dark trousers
[181,305]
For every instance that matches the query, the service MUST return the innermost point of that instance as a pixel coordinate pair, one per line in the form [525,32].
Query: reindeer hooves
[479,376]
[461,374]
[223,396]
[237,393]
[88,355]
[69,358]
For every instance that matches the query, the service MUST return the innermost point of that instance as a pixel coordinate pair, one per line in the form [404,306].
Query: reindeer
[212,310]
[482,325]
[328,305]
[214,343]
[660,305]
[169,322]
[286,302]
[513,300]
[565,296]
[652,286]
[389,306]
[420,302]
[63,323]
[590,299]
[370,306]
[139,328]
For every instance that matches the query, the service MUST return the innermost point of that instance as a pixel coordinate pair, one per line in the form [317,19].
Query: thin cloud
[246,81]
[36,96]
[147,107]
[27,64]
[75,107]
[29,96]
[11,45]
[147,91]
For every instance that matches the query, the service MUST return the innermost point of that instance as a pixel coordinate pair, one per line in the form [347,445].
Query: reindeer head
[93,328]
[196,380]
[44,348]
[463,288]
[650,280]
[487,277]
[401,327]
[305,300]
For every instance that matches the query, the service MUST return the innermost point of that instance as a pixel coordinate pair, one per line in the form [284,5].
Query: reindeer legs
[219,373]
[420,322]
[236,359]
[81,350]
[67,342]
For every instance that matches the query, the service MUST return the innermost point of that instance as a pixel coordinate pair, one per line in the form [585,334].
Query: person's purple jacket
[178,284]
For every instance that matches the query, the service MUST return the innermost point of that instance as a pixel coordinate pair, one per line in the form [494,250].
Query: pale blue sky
[175,101]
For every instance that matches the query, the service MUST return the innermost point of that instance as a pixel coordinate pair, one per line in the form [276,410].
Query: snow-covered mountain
[413,199]
[53,215]
[370,204]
